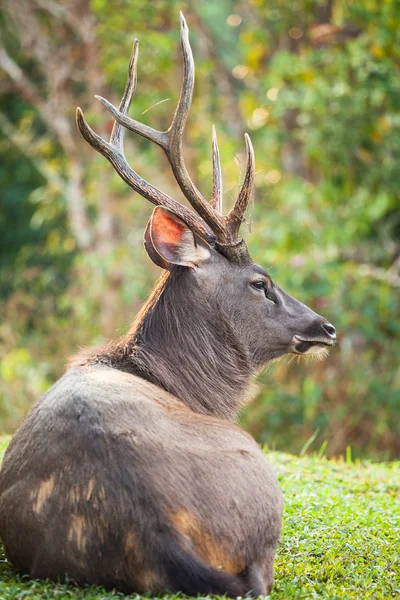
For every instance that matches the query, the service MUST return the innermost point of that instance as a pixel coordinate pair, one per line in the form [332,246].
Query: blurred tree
[317,85]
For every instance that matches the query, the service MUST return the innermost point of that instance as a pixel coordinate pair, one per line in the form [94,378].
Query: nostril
[330,330]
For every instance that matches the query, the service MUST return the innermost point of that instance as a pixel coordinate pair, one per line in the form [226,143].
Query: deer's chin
[317,348]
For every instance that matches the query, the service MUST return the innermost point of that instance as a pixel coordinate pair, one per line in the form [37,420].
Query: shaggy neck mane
[183,343]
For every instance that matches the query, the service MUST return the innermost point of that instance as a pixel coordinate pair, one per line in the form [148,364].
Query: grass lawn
[341,535]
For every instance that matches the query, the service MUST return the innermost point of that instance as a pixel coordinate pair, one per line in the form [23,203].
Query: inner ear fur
[168,240]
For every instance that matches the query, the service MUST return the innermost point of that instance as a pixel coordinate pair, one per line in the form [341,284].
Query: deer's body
[130,471]
[118,481]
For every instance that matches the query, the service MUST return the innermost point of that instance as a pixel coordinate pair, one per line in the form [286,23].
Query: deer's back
[106,463]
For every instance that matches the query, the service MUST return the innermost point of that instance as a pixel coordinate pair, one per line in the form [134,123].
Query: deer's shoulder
[118,403]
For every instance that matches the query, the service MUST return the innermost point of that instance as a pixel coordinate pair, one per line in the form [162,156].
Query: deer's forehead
[226,272]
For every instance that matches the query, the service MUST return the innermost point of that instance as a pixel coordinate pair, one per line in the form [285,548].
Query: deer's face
[267,320]
[270,321]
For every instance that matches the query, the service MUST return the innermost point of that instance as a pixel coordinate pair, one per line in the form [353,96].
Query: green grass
[341,535]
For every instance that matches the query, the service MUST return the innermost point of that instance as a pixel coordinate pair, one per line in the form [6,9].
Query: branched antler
[207,221]
[114,152]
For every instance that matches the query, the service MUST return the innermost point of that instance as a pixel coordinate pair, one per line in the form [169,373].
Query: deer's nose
[330,330]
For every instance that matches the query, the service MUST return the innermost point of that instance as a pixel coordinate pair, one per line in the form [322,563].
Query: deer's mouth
[313,346]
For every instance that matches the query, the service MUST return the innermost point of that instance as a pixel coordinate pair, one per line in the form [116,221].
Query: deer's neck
[181,342]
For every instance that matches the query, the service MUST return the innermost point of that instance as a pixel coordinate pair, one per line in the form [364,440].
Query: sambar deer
[130,472]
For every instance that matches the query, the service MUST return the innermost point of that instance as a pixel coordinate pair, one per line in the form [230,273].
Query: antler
[114,152]
[209,216]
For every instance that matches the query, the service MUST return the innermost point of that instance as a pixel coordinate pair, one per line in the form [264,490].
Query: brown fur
[211,551]
[44,492]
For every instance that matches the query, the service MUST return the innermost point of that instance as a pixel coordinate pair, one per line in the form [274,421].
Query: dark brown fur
[183,355]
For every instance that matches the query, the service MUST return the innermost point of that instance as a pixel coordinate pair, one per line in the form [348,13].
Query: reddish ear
[168,240]
[151,251]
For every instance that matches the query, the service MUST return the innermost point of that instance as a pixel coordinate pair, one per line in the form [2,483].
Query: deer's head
[203,244]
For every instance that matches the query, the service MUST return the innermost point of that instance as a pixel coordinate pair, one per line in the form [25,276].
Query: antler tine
[117,134]
[158,137]
[171,141]
[185,99]
[216,200]
[236,215]
[175,134]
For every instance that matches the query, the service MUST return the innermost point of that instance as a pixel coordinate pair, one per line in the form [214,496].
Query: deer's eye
[268,292]
[258,285]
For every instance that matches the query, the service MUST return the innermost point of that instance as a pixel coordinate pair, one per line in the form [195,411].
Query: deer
[131,471]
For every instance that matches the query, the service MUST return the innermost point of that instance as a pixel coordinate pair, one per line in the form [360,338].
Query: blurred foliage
[317,85]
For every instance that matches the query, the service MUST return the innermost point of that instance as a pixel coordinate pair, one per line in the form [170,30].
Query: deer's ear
[151,251]
[168,240]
